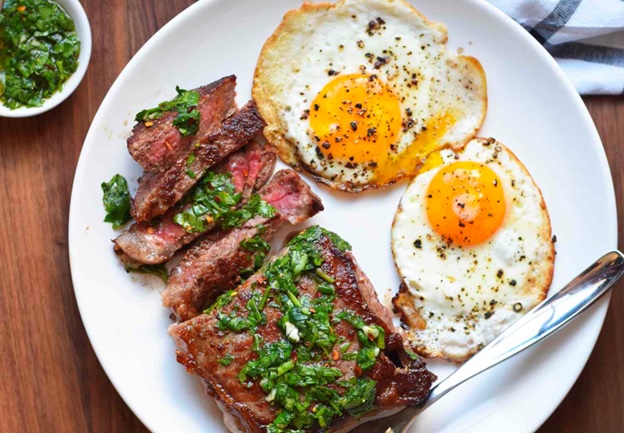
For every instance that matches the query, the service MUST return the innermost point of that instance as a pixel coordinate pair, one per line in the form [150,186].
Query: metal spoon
[542,321]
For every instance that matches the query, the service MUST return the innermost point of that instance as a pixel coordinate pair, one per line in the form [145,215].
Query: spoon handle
[549,316]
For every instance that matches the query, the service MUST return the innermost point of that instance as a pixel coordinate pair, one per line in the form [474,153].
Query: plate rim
[598,310]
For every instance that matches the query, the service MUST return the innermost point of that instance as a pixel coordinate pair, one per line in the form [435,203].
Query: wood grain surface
[50,379]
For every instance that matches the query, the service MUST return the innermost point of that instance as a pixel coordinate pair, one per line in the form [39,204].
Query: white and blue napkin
[586,37]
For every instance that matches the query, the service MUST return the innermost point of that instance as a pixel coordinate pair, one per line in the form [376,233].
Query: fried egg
[471,240]
[360,91]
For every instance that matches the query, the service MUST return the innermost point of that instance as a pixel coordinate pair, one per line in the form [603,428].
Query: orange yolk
[356,118]
[465,203]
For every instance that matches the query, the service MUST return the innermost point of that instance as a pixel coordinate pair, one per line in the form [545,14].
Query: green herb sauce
[259,249]
[214,199]
[226,360]
[159,271]
[39,51]
[185,104]
[116,201]
[295,372]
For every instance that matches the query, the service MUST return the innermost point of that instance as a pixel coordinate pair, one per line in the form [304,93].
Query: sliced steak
[157,144]
[159,191]
[251,168]
[218,346]
[158,240]
[214,265]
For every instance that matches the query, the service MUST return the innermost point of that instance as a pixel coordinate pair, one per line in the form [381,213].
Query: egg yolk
[465,203]
[355,118]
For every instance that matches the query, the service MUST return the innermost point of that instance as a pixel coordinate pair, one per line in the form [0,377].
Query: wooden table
[50,379]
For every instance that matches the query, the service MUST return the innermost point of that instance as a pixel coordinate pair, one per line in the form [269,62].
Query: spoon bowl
[542,321]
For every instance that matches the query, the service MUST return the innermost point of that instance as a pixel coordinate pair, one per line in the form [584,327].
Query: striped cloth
[586,37]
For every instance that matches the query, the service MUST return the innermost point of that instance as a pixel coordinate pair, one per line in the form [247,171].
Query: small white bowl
[76,12]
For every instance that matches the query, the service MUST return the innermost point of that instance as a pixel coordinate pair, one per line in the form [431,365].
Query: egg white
[467,295]
[316,42]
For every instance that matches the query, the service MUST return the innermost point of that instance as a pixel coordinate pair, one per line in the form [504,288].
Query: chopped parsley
[236,322]
[296,371]
[39,51]
[185,104]
[221,301]
[159,271]
[371,338]
[226,360]
[259,249]
[116,201]
[214,200]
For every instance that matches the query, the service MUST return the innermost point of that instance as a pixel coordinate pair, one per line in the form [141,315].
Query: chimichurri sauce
[39,51]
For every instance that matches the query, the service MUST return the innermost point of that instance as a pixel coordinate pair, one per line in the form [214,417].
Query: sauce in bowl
[39,51]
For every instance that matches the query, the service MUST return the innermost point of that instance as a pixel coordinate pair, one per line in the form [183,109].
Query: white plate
[533,109]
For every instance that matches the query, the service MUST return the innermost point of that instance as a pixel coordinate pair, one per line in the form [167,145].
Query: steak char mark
[158,146]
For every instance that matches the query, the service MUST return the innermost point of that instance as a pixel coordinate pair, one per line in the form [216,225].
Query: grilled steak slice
[157,241]
[304,343]
[215,265]
[251,168]
[157,146]
[159,191]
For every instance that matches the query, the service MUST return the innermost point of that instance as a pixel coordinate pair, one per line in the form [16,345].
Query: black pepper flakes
[353,126]
[499,274]
[316,107]
[407,125]
[374,25]
[380,62]
[418,244]
[517,307]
